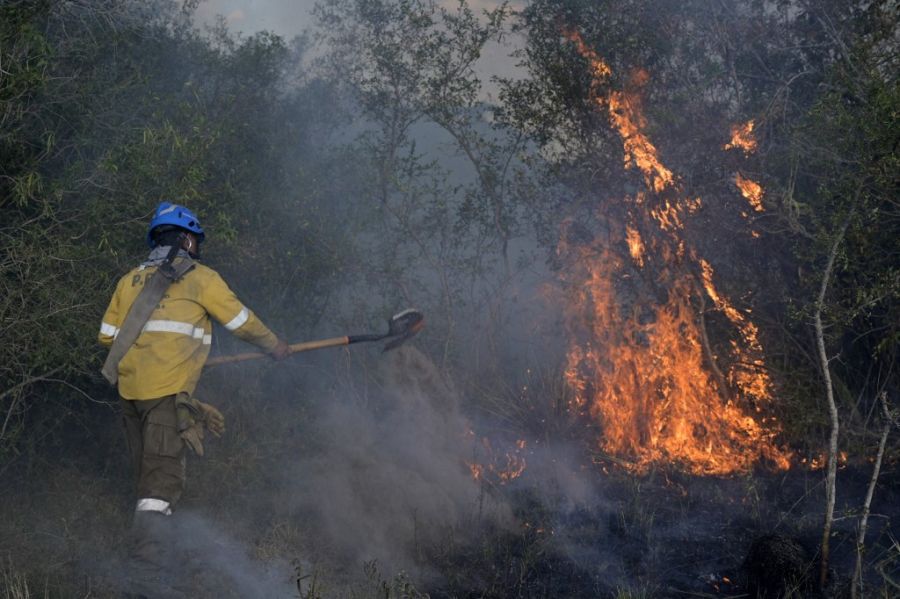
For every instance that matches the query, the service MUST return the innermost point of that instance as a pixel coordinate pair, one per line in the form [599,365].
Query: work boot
[150,567]
[196,573]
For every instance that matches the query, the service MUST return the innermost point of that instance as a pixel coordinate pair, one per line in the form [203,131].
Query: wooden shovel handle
[295,348]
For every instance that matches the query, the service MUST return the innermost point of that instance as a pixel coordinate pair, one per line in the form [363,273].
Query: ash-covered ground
[667,534]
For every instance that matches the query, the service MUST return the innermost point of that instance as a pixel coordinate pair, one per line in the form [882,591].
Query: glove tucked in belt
[193,417]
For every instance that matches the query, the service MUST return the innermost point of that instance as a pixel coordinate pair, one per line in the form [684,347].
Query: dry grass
[15,585]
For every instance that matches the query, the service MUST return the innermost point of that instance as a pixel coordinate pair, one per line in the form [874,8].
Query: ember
[497,467]
[639,364]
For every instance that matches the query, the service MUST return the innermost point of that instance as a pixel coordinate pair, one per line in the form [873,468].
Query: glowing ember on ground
[496,467]
[639,362]
[820,461]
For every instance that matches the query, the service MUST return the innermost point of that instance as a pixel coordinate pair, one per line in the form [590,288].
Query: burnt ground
[664,534]
[673,535]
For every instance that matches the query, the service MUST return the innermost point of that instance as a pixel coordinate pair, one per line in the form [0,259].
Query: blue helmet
[175,216]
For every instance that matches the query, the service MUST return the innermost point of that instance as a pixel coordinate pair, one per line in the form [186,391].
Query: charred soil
[667,534]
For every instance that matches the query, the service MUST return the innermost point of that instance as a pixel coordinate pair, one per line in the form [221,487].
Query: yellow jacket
[169,354]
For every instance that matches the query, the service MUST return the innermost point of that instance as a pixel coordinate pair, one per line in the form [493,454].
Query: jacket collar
[159,253]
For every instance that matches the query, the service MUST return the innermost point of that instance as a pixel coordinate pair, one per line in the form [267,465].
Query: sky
[288,18]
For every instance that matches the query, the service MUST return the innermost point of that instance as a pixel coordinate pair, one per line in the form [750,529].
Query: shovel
[401,327]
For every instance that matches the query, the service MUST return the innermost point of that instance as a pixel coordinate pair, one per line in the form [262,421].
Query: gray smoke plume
[189,555]
[229,563]
[392,477]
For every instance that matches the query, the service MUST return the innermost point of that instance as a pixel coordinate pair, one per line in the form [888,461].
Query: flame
[624,112]
[742,137]
[751,190]
[638,361]
[635,245]
[750,377]
[501,468]
[818,462]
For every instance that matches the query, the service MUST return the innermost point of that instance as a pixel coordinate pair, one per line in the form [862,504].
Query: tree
[837,202]
[409,67]
[157,110]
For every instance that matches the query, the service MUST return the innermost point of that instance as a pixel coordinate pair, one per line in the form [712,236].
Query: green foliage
[839,166]
[108,109]
[26,55]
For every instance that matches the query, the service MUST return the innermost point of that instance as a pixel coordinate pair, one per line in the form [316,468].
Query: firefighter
[157,369]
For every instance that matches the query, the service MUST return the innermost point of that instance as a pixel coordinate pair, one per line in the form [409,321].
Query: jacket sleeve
[112,318]
[223,305]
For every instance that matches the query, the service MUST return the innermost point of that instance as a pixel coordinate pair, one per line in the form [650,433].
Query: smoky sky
[289,18]
[286,18]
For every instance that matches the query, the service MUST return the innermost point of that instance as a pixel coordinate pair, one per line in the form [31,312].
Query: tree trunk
[831,475]
[710,357]
[857,589]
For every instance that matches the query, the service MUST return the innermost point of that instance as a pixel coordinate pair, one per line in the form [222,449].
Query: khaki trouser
[156,449]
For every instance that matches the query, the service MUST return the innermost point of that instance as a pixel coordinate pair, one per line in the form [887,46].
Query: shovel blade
[403,326]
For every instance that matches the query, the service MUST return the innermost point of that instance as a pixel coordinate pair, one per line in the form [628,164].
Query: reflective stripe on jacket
[169,354]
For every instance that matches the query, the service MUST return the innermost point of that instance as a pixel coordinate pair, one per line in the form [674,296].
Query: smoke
[227,563]
[391,479]
[387,480]
[189,554]
[283,17]
[289,18]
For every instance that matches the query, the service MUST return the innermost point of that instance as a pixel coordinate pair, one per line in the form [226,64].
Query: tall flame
[639,361]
